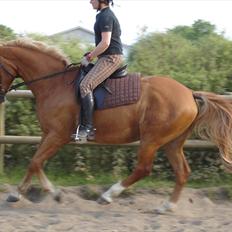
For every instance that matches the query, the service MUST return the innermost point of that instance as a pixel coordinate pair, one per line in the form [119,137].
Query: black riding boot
[87,108]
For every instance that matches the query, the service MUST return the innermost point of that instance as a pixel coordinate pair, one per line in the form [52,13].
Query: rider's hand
[86,59]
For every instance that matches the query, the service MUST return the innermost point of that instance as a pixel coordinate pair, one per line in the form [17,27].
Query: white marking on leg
[165,207]
[77,137]
[114,191]
[46,184]
[24,186]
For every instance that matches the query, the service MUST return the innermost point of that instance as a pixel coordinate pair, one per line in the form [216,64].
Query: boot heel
[91,134]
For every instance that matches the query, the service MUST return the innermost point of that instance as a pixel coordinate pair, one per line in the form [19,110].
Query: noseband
[3,91]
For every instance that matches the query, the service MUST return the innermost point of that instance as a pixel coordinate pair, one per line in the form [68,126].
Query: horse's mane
[38,46]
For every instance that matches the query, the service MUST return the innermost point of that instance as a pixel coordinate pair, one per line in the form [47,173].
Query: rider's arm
[102,46]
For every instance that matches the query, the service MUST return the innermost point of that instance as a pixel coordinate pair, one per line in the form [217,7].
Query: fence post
[2,133]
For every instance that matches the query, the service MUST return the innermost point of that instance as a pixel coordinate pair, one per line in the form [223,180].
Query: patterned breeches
[103,68]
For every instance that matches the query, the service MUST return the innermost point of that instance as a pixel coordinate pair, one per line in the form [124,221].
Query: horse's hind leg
[48,147]
[176,157]
[146,155]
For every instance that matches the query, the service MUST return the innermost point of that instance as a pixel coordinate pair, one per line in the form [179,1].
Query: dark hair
[107,2]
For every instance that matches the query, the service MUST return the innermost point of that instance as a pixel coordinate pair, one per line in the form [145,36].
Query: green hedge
[115,161]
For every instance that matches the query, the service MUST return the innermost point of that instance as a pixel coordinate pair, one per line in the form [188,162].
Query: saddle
[120,88]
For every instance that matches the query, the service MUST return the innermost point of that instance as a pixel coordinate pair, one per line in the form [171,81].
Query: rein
[66,70]
[5,70]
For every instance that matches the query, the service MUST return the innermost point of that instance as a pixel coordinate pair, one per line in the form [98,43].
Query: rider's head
[99,4]
[107,2]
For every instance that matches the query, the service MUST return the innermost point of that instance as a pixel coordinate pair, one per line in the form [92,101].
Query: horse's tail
[214,123]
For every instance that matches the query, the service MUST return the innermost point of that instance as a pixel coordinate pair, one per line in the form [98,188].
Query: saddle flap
[124,91]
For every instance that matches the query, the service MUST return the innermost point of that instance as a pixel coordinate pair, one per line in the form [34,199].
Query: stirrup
[84,134]
[80,135]
[91,134]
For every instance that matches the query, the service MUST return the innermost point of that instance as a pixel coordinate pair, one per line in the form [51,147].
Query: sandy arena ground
[131,212]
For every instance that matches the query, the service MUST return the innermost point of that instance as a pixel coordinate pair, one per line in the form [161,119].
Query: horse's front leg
[48,147]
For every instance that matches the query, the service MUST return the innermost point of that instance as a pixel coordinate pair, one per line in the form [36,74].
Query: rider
[108,50]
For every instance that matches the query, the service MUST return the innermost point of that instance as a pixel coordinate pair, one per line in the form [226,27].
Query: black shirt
[106,21]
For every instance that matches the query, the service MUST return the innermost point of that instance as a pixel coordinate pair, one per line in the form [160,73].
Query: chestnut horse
[164,116]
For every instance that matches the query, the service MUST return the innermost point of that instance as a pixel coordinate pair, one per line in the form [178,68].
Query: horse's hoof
[13,197]
[102,201]
[160,211]
[57,196]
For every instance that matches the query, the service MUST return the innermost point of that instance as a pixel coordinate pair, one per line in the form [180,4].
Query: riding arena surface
[133,211]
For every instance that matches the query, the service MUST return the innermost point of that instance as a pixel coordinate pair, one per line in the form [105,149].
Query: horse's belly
[116,126]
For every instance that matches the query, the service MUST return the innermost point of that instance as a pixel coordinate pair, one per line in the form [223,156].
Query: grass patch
[76,179]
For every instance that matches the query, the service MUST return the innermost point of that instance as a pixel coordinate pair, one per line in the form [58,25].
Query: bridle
[3,91]
[69,68]
[6,71]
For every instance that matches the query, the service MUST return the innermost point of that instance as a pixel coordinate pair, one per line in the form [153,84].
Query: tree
[165,55]
[6,33]
[201,62]
[199,29]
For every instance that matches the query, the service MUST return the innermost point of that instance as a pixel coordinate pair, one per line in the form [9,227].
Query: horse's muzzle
[2,97]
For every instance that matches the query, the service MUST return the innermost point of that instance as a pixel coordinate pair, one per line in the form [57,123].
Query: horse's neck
[34,66]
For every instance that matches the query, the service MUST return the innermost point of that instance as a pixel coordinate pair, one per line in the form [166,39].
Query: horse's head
[29,60]
[8,72]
